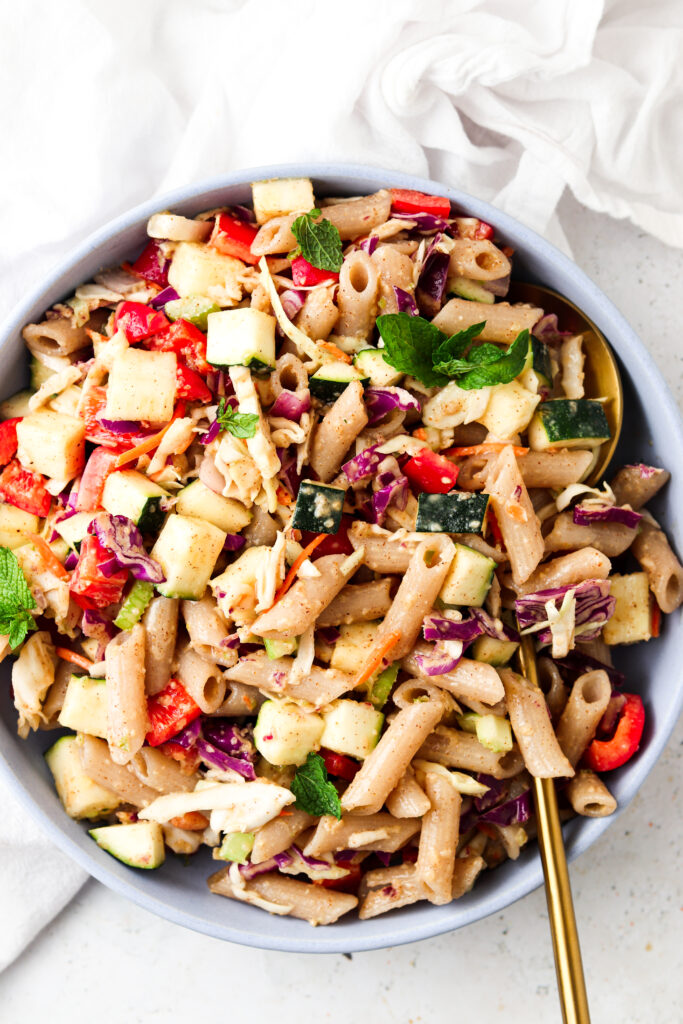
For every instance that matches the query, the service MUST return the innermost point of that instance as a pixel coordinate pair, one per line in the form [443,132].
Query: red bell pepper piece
[604,755]
[655,619]
[339,764]
[472,227]
[8,439]
[335,543]
[190,385]
[139,321]
[304,274]
[431,473]
[349,883]
[409,854]
[494,526]
[186,340]
[152,265]
[101,463]
[187,759]
[406,200]
[169,711]
[24,489]
[233,237]
[89,587]
[93,406]
[483,230]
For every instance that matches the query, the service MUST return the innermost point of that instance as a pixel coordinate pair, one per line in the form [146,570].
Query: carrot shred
[335,351]
[48,556]
[148,444]
[516,512]
[296,565]
[376,659]
[420,434]
[283,496]
[487,448]
[76,659]
[655,619]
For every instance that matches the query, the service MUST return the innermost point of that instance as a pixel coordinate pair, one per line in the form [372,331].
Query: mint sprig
[319,241]
[314,793]
[16,600]
[239,424]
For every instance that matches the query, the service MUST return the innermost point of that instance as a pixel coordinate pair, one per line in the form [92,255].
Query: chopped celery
[380,688]
[140,595]
[194,308]
[236,847]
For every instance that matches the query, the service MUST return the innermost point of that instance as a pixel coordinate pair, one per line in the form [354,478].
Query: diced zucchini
[468,289]
[74,529]
[14,525]
[350,651]
[132,494]
[372,364]
[378,688]
[16,405]
[40,373]
[351,727]
[455,512]
[241,337]
[198,269]
[509,409]
[541,361]
[318,507]
[85,706]
[142,386]
[494,733]
[200,501]
[194,308]
[281,648]
[568,423]
[236,847]
[81,797]
[285,733]
[276,197]
[493,652]
[187,550]
[333,378]
[631,621]
[52,444]
[469,577]
[139,845]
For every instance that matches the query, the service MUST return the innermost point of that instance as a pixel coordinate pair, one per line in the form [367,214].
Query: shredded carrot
[420,434]
[191,821]
[376,659]
[148,444]
[296,565]
[49,557]
[330,347]
[283,496]
[487,448]
[74,658]
[284,813]
[655,619]
[516,512]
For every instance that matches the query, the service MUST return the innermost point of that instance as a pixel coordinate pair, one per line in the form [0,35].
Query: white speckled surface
[110,961]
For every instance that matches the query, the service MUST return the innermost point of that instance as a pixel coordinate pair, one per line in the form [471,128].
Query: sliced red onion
[216,758]
[233,542]
[547,330]
[244,213]
[586,516]
[292,300]
[291,404]
[232,642]
[608,722]
[425,222]
[379,402]
[328,634]
[211,434]
[121,537]
[71,560]
[438,662]
[501,286]
[405,301]
[287,472]
[363,465]
[161,298]
[431,285]
[97,626]
[188,736]
[369,244]
[435,627]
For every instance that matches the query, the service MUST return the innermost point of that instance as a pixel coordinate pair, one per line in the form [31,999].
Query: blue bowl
[652,433]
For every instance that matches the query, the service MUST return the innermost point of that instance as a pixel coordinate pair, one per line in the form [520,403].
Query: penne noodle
[361,602]
[119,778]
[589,796]
[664,571]
[586,704]
[587,564]
[202,679]
[469,679]
[162,773]
[408,799]
[390,888]
[515,514]
[319,314]
[439,839]
[360,832]
[127,721]
[543,756]
[207,631]
[277,835]
[357,296]
[319,687]
[304,601]
[478,260]
[554,469]
[337,431]
[456,749]
[610,538]
[289,896]
[503,322]
[161,627]
[636,488]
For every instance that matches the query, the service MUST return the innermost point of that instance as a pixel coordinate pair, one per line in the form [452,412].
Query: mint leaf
[239,424]
[16,600]
[409,346]
[456,346]
[502,370]
[319,241]
[314,794]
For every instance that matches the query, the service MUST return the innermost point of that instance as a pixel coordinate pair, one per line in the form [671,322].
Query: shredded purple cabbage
[379,402]
[431,285]
[71,560]
[243,213]
[405,301]
[211,434]
[161,298]
[124,426]
[426,222]
[584,516]
[438,662]
[228,737]
[233,542]
[593,606]
[216,758]
[287,473]
[328,634]
[188,736]
[495,628]
[369,244]
[391,490]
[97,626]
[497,788]
[383,856]
[363,465]
[121,536]
[515,811]
[291,405]
[645,471]
[500,287]
[576,663]
[435,627]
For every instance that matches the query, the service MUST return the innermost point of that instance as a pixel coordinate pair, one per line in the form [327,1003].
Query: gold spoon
[602,380]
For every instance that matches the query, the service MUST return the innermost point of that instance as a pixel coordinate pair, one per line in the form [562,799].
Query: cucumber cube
[52,444]
[139,845]
[492,651]
[85,706]
[280,648]
[469,577]
[631,620]
[198,269]
[14,525]
[236,847]
[81,797]
[285,733]
[455,512]
[509,409]
[332,379]
[494,733]
[132,494]
[142,386]
[74,529]
[372,364]
[195,309]
[350,652]
[351,727]
[241,337]
[16,405]
[187,550]
[276,197]
[200,501]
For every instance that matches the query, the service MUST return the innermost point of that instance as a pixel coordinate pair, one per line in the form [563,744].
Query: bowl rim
[528,876]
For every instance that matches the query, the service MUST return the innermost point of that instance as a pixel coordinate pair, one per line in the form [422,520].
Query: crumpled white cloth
[512,100]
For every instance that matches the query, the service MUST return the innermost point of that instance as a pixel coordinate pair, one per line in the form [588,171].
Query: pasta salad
[279,502]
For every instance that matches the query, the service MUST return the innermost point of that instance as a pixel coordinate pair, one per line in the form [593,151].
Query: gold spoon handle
[568,965]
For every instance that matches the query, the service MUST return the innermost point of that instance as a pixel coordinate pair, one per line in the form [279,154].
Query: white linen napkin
[512,100]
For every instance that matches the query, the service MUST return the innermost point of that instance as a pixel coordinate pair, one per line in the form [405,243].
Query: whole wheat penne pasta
[275,236]
[127,721]
[33,674]
[286,896]
[468,679]
[412,690]
[361,602]
[337,431]
[503,322]
[408,799]
[360,832]
[162,773]
[553,687]
[637,485]
[417,593]
[587,703]
[119,778]
[320,686]
[289,374]
[533,730]
[555,469]
[610,538]
[382,553]
[465,872]
[478,260]
[54,699]
[396,270]
[58,337]
[390,888]
[277,835]
[202,679]
[571,365]
[586,564]
[454,748]
[319,314]
[589,796]
[161,628]
[664,571]
[357,296]
[515,514]
[240,699]
[382,769]
[439,838]
[207,631]
[304,601]
[354,217]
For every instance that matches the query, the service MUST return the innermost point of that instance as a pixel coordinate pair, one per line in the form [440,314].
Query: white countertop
[108,961]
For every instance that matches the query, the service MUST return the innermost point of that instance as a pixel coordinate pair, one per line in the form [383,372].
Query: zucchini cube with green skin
[351,728]
[280,648]
[494,733]
[541,361]
[195,309]
[318,507]
[468,289]
[14,525]
[187,550]
[73,530]
[132,494]
[332,379]
[350,652]
[236,847]
[85,706]
[372,364]
[139,845]
[492,651]
[52,444]
[454,512]
[142,386]
[241,337]
[285,733]
[568,423]
[631,620]
[198,269]
[200,501]
[276,197]
[81,797]
[509,409]
[469,578]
